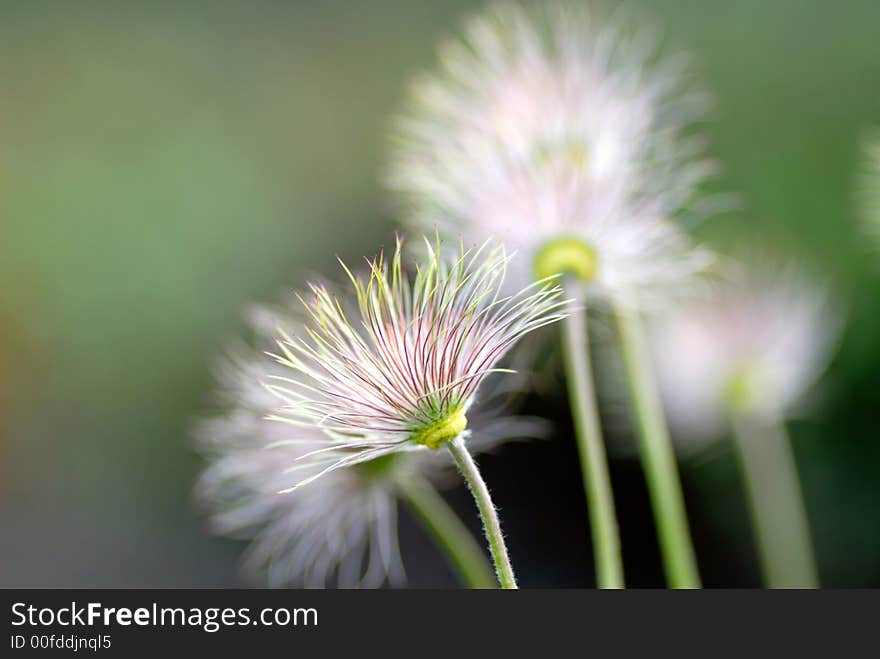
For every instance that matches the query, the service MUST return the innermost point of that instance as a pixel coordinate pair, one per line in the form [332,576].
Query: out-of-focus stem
[657,454]
[594,463]
[776,503]
[460,547]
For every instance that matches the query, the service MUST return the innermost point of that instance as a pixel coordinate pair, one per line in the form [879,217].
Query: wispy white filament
[388,362]
[343,529]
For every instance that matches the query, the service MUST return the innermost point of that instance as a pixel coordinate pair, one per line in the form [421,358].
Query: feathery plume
[403,373]
[566,138]
[754,346]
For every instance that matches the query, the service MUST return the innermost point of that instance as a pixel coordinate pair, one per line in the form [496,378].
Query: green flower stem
[491,525]
[594,463]
[462,550]
[657,454]
[776,503]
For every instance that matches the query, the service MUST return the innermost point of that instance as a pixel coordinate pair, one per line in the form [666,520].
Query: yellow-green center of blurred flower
[568,153]
[741,391]
[566,256]
[434,435]
[577,156]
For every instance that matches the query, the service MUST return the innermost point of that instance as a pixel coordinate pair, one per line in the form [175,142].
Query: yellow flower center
[568,153]
[435,434]
[566,256]
[741,391]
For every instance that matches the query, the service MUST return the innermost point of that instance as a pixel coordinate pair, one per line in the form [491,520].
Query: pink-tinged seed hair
[394,363]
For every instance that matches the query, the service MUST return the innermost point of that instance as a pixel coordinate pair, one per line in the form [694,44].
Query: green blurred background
[163,163]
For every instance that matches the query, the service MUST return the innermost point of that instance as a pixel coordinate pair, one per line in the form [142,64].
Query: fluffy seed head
[564,137]
[395,364]
[754,346]
[342,529]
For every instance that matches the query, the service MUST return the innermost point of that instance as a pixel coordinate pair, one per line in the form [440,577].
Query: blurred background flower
[341,530]
[753,344]
[566,133]
[163,163]
[741,359]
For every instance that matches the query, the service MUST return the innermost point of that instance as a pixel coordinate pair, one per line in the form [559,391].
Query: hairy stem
[464,553]
[657,454]
[491,525]
[594,463]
